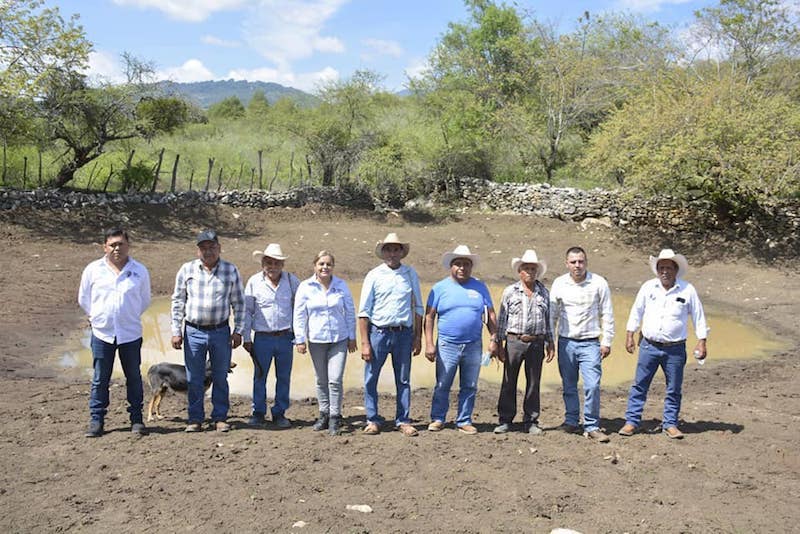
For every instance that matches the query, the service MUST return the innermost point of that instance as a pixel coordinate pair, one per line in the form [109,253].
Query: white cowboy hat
[461,251]
[530,257]
[391,239]
[273,250]
[669,254]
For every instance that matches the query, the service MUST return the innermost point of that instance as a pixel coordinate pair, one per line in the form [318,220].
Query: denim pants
[130,356]
[583,356]
[217,344]
[466,358]
[671,360]
[398,344]
[329,360]
[532,355]
[265,349]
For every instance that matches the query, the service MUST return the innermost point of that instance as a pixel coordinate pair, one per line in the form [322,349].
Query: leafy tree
[258,107]
[161,114]
[230,108]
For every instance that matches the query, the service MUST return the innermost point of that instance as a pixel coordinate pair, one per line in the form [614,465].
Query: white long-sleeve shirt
[664,313]
[581,310]
[324,316]
[115,302]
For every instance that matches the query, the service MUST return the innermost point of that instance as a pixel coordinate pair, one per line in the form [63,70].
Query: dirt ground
[736,471]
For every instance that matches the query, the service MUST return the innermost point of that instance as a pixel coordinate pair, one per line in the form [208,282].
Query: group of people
[276,313]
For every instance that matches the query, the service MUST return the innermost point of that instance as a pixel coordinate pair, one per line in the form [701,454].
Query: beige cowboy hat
[669,254]
[391,239]
[273,250]
[461,251]
[530,257]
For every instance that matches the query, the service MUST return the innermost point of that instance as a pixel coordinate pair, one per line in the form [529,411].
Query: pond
[728,339]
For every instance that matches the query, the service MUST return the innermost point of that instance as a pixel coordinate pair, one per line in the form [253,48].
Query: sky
[303,43]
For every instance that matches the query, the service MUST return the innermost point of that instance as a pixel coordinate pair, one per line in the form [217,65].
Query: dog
[171,376]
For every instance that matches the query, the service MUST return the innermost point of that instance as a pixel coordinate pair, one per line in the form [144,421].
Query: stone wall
[773,232]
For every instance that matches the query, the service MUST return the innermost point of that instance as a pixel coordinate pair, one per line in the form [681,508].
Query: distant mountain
[206,93]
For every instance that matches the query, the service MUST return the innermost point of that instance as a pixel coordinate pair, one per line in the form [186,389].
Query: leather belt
[276,333]
[207,326]
[580,339]
[662,344]
[525,338]
[398,328]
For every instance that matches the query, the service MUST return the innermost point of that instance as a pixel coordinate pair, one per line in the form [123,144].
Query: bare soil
[736,471]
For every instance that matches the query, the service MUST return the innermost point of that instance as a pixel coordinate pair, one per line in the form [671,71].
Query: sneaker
[673,433]
[569,429]
[321,423]
[139,429]
[222,426]
[468,429]
[627,430]
[334,425]
[535,429]
[435,426]
[257,419]
[502,428]
[95,429]
[598,435]
[194,427]
[281,422]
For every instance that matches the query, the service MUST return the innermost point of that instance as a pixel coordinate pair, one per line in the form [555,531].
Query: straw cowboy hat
[669,254]
[391,239]
[461,251]
[530,257]
[273,250]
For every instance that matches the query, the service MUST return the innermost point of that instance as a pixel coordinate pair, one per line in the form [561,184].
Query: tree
[230,108]
[258,107]
[161,114]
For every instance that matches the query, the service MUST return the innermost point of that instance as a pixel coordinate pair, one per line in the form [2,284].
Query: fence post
[157,171]
[208,176]
[174,173]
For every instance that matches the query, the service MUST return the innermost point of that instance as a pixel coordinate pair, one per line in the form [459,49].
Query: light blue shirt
[390,297]
[460,308]
[324,316]
[268,308]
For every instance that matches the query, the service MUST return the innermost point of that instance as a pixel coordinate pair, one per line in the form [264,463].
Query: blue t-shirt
[460,308]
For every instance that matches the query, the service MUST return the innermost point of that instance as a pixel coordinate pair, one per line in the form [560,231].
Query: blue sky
[300,43]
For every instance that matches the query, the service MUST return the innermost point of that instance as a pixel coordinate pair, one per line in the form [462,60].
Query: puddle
[729,339]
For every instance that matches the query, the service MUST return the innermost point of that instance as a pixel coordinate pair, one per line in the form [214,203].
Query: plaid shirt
[520,314]
[206,298]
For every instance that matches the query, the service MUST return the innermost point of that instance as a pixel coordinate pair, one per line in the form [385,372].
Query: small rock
[299,524]
[364,508]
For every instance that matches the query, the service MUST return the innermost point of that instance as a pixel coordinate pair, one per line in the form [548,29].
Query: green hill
[206,93]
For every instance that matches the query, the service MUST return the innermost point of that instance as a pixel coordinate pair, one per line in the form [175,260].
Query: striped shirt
[206,297]
[324,316]
[268,308]
[520,314]
[582,310]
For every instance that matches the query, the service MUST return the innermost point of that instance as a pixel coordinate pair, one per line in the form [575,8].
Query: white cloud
[417,68]
[648,6]
[304,81]
[286,30]
[216,41]
[192,70]
[106,67]
[186,10]
[381,47]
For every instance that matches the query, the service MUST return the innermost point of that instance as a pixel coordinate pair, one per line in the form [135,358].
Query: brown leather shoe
[407,430]
[436,426]
[627,430]
[468,429]
[598,435]
[569,429]
[222,426]
[371,429]
[673,433]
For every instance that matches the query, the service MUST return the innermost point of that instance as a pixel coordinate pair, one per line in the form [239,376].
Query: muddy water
[729,339]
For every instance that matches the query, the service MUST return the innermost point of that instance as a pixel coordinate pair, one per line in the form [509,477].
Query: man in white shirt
[580,312]
[114,292]
[662,308]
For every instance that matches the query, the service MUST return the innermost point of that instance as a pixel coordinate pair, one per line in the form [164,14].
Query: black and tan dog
[170,376]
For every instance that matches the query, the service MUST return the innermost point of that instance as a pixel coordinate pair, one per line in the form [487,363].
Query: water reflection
[729,339]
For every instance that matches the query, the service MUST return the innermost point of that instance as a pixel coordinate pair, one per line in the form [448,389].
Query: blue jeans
[671,360]
[265,349]
[329,360]
[399,344]
[130,356]
[217,344]
[466,358]
[583,356]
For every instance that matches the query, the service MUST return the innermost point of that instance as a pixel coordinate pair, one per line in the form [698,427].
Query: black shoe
[334,425]
[281,422]
[139,429]
[95,429]
[321,423]
[257,419]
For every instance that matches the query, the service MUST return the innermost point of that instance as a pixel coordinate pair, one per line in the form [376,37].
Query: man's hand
[550,352]
[248,346]
[366,351]
[301,348]
[177,342]
[417,346]
[604,352]
[430,353]
[236,340]
[351,345]
[630,345]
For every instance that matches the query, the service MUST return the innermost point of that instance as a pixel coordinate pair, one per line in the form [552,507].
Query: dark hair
[575,250]
[114,232]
